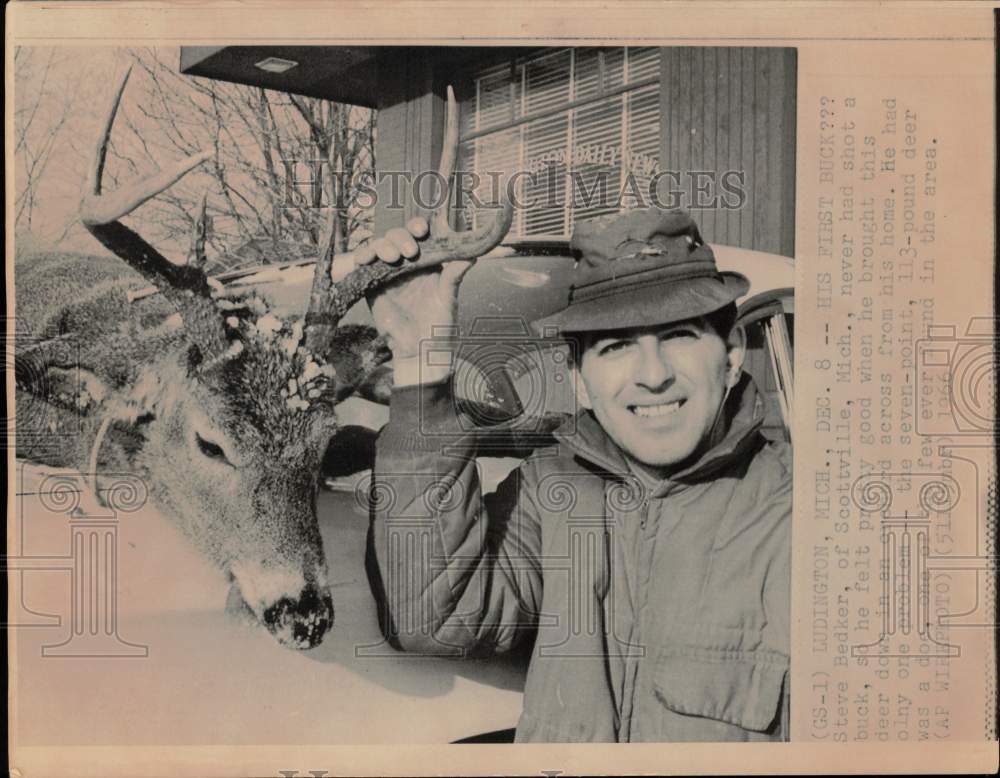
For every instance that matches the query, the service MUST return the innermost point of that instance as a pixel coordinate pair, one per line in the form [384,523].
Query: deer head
[229,422]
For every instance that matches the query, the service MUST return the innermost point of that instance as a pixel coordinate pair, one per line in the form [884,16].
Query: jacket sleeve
[777,583]
[778,609]
[777,605]
[461,571]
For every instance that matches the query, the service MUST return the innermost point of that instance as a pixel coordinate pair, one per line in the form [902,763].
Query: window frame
[468,93]
[768,310]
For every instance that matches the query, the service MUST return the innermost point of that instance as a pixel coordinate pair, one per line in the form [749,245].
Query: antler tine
[445,246]
[100,214]
[319,325]
[97,168]
[449,153]
[199,236]
[98,208]
[436,251]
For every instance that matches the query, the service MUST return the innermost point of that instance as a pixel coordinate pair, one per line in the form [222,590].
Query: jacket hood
[744,415]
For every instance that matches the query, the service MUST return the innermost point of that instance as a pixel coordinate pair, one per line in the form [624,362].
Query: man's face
[657,390]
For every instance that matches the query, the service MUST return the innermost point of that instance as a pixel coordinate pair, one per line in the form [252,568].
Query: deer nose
[303,622]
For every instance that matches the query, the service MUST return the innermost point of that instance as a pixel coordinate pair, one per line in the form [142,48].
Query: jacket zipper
[625,733]
[645,512]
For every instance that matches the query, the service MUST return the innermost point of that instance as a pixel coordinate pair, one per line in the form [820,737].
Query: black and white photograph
[392,391]
[460,377]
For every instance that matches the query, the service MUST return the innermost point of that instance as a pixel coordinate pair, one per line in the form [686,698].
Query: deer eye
[210,449]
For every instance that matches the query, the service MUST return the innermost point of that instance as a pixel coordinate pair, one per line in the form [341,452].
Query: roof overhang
[346,74]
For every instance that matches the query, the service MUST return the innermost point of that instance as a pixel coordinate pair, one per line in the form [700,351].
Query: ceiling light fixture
[276,65]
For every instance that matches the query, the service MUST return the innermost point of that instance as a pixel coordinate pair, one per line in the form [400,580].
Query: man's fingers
[391,247]
[403,242]
[418,227]
[363,255]
[344,263]
[386,250]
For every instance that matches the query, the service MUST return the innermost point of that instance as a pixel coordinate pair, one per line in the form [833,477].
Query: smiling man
[647,553]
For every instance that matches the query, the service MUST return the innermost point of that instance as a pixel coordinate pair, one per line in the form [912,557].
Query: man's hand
[408,311]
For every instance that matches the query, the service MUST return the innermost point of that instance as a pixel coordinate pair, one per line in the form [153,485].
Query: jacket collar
[744,415]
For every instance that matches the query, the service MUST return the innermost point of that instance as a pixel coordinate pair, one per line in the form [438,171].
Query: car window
[768,320]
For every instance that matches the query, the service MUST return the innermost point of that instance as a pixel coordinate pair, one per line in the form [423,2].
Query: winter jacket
[659,611]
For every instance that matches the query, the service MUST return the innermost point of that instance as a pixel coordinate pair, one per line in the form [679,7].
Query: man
[647,553]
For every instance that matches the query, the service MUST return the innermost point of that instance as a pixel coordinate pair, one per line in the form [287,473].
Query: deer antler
[186,286]
[330,301]
[199,236]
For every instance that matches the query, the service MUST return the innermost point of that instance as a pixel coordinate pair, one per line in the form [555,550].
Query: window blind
[578,128]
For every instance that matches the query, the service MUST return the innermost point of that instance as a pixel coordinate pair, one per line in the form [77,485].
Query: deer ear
[357,352]
[377,385]
[72,388]
[50,370]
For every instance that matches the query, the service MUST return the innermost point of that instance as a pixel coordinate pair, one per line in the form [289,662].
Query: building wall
[733,108]
[408,129]
[721,110]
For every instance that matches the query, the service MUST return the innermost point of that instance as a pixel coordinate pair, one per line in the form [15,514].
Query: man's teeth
[656,410]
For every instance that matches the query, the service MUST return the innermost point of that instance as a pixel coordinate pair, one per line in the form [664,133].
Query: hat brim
[648,305]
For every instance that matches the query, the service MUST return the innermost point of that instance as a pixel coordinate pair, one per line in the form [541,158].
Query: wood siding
[733,109]
[722,109]
[408,136]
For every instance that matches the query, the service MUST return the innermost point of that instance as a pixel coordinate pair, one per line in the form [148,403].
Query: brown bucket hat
[640,268]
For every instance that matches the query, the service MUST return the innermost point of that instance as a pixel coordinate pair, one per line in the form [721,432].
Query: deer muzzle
[302,622]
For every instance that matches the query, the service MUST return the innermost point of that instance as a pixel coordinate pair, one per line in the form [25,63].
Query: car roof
[523,279]
[766,271]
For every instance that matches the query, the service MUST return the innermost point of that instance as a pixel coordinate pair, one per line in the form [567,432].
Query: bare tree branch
[254,132]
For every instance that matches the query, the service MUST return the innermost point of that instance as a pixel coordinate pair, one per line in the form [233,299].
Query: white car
[189,674]
[506,369]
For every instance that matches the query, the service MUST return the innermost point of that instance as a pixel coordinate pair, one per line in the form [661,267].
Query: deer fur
[223,409]
[251,512]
